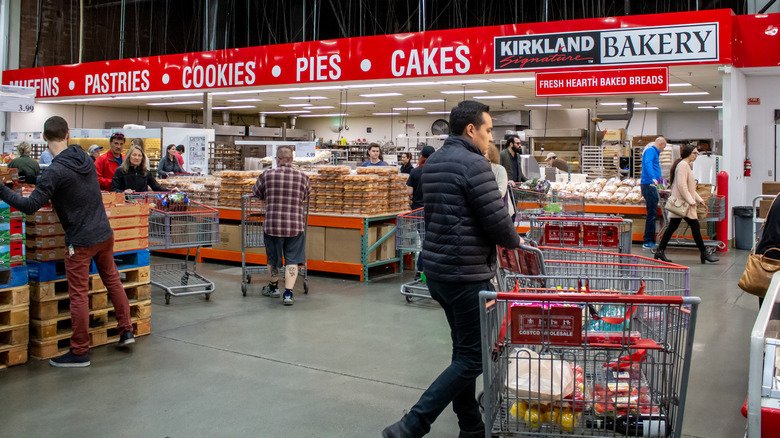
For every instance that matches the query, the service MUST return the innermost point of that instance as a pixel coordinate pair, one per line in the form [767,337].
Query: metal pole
[546,10]
[122,32]
[207,123]
[303,20]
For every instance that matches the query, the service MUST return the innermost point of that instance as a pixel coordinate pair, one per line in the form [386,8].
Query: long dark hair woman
[406,162]
[684,187]
[169,164]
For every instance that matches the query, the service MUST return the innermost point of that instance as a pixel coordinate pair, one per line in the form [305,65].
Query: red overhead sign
[603,82]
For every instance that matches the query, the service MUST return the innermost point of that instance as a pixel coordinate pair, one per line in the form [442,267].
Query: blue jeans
[457,383]
[650,193]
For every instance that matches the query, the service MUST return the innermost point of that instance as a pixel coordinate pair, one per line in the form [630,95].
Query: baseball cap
[551,155]
[427,151]
[94,148]
[117,135]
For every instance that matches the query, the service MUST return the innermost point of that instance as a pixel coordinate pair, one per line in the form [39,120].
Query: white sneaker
[273,293]
[288,299]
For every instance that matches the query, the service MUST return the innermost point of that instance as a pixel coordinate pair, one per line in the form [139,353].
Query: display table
[335,243]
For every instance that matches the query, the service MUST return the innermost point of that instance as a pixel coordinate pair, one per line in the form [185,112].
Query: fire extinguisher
[748,166]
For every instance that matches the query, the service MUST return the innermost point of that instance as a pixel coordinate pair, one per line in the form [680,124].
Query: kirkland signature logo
[697,42]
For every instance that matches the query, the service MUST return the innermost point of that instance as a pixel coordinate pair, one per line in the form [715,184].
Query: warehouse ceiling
[691,87]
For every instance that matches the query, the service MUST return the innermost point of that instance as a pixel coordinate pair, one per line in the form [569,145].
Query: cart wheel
[248,278]
[306,287]
[208,296]
[243,289]
[409,298]
[481,400]
[185,279]
[167,298]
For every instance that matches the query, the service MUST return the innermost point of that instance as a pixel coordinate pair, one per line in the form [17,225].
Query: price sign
[17,99]
[305,149]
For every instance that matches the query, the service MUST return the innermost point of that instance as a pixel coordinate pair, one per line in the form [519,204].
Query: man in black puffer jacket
[72,185]
[465,218]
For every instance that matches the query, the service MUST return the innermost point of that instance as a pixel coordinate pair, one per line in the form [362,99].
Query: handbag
[677,206]
[758,271]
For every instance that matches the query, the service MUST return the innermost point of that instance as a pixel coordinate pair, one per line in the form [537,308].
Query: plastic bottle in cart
[633,425]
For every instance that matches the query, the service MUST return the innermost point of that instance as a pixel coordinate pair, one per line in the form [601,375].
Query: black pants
[695,231]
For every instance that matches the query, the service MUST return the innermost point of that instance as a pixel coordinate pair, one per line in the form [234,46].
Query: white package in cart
[540,378]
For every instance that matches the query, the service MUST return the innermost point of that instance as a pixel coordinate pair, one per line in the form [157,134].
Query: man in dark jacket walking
[465,218]
[72,185]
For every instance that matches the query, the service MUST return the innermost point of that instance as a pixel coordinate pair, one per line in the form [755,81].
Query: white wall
[761,130]
[734,120]
[696,123]
[643,123]
[88,117]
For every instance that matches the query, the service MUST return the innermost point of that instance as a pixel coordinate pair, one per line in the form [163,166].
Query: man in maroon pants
[72,185]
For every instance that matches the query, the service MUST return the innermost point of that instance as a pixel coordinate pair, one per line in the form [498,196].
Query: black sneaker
[126,338]
[70,360]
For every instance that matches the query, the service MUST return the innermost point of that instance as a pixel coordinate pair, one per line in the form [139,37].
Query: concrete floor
[344,361]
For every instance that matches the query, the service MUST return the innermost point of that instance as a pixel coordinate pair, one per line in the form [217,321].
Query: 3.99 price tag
[17,99]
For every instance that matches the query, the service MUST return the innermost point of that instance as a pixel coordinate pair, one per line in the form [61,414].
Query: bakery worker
[94,151]
[374,156]
[556,162]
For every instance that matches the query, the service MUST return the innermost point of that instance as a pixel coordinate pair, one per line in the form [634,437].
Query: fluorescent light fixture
[359,103]
[680,84]
[514,80]
[612,103]
[286,112]
[438,112]
[694,102]
[643,108]
[307,97]
[461,91]
[381,95]
[319,107]
[227,93]
[542,105]
[293,105]
[189,102]
[425,101]
[691,93]
[464,81]
[232,107]
[325,115]
[244,100]
[387,114]
[408,109]
[711,107]
[501,96]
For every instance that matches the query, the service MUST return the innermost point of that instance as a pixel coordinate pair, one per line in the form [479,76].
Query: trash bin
[743,227]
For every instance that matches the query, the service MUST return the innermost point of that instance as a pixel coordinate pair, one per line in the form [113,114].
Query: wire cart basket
[190,225]
[601,233]
[714,210]
[409,238]
[529,203]
[549,371]
[252,220]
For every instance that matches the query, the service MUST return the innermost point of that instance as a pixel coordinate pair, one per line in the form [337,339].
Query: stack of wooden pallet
[50,319]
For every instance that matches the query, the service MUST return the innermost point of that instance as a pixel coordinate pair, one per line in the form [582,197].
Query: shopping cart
[714,210]
[548,372]
[762,406]
[189,225]
[584,270]
[409,238]
[602,233]
[252,220]
[529,203]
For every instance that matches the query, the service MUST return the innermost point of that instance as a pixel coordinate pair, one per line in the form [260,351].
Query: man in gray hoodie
[71,184]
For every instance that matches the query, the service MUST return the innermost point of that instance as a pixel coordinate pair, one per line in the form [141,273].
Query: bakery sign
[647,45]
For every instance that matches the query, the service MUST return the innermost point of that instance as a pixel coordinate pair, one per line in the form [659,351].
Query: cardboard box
[643,141]
[46,229]
[131,233]
[342,245]
[763,207]
[43,216]
[45,242]
[127,210]
[770,188]
[315,243]
[229,238]
[47,255]
[129,222]
[130,245]
[615,134]
[111,198]
[387,249]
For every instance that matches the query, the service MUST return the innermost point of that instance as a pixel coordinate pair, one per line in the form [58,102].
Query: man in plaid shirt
[285,191]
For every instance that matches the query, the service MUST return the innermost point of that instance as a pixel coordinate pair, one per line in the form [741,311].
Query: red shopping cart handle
[570,297]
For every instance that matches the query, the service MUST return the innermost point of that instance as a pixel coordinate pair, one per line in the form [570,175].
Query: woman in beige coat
[684,188]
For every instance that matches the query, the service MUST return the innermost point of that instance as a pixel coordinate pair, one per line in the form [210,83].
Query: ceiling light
[693,102]
[513,80]
[408,109]
[190,102]
[308,97]
[680,84]
[359,103]
[320,107]
[381,95]
[245,100]
[462,91]
[464,81]
[612,103]
[711,107]
[692,93]
[438,112]
[504,96]
[387,114]
[286,112]
[543,105]
[325,115]
[644,108]
[426,101]
[293,105]
[232,107]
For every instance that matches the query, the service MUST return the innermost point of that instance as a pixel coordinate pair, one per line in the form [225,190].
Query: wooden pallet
[59,306]
[11,356]
[98,336]
[58,289]
[60,326]
[14,325]
[14,296]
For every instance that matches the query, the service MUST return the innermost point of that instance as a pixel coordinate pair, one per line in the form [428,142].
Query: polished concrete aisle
[344,361]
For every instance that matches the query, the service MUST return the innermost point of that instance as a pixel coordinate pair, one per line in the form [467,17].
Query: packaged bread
[623,190]
[377,170]
[333,170]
